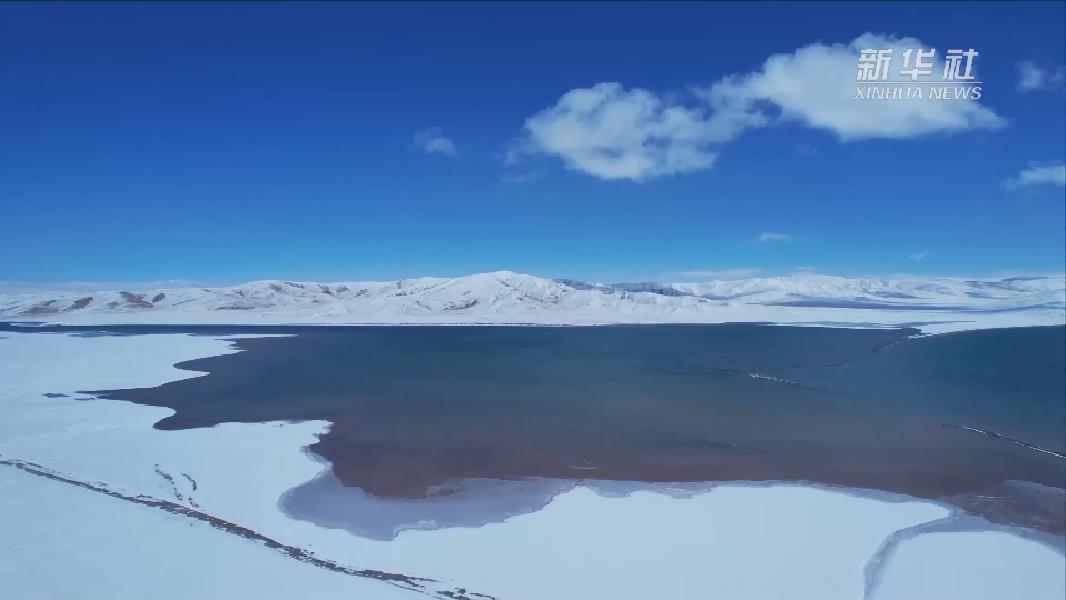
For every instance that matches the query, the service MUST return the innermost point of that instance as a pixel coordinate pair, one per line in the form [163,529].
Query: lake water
[417,408]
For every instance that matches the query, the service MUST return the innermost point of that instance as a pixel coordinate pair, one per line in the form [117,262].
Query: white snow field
[737,542]
[935,304]
[64,542]
[993,567]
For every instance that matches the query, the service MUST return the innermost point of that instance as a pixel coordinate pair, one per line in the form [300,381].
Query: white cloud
[711,274]
[1037,174]
[612,132]
[432,141]
[918,256]
[772,236]
[1032,77]
[815,85]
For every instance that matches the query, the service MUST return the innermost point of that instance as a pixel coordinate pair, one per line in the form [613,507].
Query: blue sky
[230,142]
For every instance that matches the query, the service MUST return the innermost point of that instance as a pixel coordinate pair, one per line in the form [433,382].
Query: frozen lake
[582,539]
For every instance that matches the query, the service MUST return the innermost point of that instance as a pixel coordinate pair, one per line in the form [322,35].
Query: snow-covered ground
[63,542]
[936,304]
[766,542]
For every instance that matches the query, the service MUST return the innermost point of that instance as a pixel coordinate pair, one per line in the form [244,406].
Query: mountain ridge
[507,297]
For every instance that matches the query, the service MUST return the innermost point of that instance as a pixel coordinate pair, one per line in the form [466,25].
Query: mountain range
[505,297]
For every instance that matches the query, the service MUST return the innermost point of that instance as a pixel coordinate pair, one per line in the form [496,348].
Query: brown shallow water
[416,407]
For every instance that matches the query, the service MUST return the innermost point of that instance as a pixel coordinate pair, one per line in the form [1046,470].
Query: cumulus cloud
[1039,174]
[612,132]
[918,256]
[1032,77]
[433,141]
[773,236]
[815,86]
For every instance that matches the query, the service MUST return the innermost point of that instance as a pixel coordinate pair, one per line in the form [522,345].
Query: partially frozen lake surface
[415,409]
[529,533]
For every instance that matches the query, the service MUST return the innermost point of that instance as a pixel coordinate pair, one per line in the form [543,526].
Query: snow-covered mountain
[515,298]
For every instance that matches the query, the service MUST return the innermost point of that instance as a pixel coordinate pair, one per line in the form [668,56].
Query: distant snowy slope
[507,297]
[898,293]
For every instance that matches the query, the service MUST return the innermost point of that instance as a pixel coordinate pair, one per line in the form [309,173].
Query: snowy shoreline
[262,329]
[595,540]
